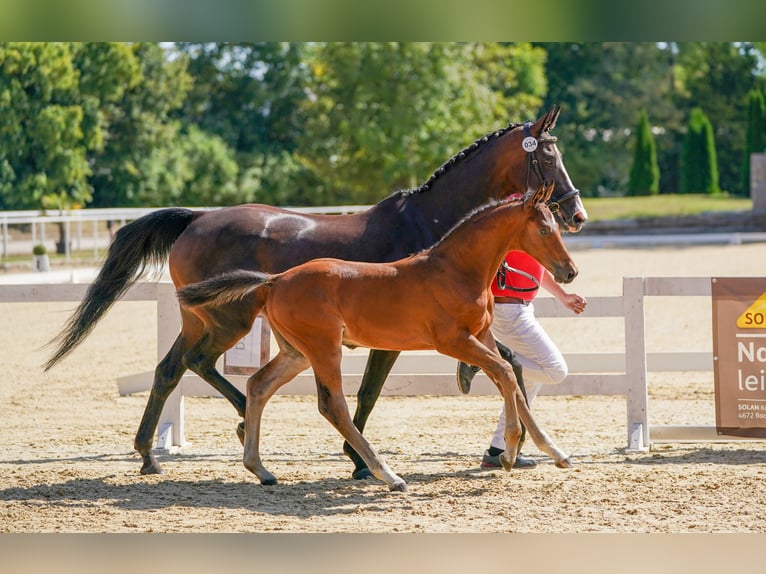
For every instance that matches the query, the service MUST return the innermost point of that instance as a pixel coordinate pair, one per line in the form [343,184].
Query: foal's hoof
[398,487]
[241,432]
[361,474]
[565,463]
[506,462]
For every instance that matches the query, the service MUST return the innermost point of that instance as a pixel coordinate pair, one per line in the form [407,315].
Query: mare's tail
[222,289]
[141,244]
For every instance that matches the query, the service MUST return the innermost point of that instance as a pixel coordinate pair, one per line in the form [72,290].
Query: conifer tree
[699,168]
[644,176]
[755,137]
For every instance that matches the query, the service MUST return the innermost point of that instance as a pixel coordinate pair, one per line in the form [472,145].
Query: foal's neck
[478,245]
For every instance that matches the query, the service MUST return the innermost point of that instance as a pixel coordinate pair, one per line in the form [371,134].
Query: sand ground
[67,462]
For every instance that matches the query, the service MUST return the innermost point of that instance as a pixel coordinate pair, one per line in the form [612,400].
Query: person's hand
[574,302]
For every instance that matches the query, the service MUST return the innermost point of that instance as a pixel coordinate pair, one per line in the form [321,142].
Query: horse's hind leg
[166,377]
[261,386]
[201,359]
[333,406]
[379,364]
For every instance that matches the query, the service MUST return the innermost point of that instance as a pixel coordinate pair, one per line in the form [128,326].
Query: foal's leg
[333,406]
[260,388]
[524,419]
[541,438]
[379,364]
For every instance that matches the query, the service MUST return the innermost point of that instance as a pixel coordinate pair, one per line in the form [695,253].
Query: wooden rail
[428,373]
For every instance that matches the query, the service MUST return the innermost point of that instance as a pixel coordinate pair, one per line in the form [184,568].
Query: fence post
[635,364]
[171,423]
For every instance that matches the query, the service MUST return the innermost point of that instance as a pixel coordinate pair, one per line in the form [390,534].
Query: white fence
[428,373]
[85,227]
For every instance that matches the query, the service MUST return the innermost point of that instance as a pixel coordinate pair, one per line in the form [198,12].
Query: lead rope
[501,280]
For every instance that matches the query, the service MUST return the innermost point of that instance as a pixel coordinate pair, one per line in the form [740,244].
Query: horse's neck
[477,247]
[468,184]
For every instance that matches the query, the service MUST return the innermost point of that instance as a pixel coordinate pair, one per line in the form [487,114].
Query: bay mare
[437,299]
[202,244]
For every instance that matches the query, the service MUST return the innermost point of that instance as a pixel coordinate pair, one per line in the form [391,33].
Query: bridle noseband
[530,144]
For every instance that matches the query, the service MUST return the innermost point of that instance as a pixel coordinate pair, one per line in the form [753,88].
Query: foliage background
[152,124]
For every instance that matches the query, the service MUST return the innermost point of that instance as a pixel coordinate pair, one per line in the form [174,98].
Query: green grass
[604,208]
[83,257]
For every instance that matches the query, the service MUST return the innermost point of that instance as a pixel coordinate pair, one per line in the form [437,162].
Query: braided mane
[462,155]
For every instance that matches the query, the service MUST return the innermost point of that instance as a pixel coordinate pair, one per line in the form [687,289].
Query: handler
[515,286]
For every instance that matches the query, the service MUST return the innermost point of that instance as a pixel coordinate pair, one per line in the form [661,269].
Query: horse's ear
[553,116]
[541,194]
[547,192]
[546,122]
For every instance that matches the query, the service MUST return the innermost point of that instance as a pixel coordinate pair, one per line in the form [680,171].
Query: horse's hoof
[361,474]
[241,432]
[398,487]
[565,463]
[506,461]
[269,481]
[151,468]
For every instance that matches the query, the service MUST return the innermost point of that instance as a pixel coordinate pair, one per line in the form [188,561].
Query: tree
[45,137]
[699,169]
[251,96]
[599,85]
[384,116]
[644,172]
[139,162]
[755,136]
[717,77]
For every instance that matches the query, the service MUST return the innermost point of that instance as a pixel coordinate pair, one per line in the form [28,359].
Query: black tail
[142,244]
[222,289]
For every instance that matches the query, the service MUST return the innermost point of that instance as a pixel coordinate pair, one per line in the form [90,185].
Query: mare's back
[263,238]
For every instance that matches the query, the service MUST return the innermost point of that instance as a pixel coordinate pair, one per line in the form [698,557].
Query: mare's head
[541,237]
[545,168]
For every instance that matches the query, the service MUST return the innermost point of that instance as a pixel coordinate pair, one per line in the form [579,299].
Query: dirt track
[67,463]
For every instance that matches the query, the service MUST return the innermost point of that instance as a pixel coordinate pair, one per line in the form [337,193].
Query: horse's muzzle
[566,274]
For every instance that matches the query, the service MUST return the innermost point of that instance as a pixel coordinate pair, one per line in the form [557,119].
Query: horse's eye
[544,231]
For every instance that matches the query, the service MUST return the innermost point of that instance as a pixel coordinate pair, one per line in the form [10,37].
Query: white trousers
[542,363]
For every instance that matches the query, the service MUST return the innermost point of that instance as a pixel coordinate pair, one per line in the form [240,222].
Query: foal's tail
[142,244]
[224,288]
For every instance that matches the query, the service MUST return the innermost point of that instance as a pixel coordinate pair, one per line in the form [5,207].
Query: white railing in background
[418,373]
[84,227]
[85,230]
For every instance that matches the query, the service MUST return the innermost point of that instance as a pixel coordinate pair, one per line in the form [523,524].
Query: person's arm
[572,301]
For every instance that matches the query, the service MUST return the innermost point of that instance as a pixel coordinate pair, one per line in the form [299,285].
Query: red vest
[523,262]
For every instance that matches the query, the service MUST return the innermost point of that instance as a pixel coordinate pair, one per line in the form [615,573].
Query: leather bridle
[534,164]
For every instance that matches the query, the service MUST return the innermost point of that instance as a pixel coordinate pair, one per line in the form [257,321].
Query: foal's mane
[478,213]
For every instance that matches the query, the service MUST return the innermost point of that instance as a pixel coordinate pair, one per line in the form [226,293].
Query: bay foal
[436,299]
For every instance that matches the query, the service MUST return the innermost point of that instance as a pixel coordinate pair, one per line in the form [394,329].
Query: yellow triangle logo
[755,315]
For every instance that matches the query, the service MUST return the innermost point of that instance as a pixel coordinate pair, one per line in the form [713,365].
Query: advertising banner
[739,355]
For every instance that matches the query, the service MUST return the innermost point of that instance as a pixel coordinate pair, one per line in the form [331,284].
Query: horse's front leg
[482,351]
[541,438]
[379,364]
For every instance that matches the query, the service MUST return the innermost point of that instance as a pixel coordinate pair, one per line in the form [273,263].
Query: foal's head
[541,237]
